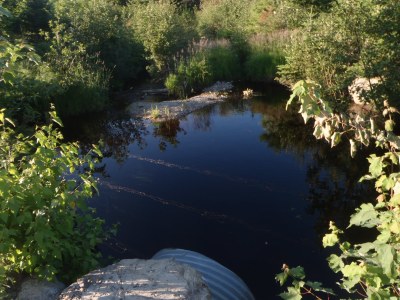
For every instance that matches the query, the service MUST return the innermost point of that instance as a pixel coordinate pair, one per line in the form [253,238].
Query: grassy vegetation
[74,53]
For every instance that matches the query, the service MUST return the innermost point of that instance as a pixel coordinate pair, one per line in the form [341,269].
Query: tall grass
[265,55]
[203,62]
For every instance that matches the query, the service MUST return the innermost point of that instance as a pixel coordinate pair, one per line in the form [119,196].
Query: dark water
[243,182]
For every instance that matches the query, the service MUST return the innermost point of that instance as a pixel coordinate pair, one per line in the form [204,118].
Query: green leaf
[282,277]
[363,249]
[335,263]
[318,133]
[317,286]
[297,272]
[366,216]
[291,294]
[55,118]
[386,254]
[376,165]
[395,200]
[330,240]
[389,125]
[353,270]
[335,139]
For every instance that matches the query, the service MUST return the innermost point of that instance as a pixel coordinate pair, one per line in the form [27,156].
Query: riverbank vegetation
[76,53]
[337,43]
[89,49]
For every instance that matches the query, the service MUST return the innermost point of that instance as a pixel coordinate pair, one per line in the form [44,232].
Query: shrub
[224,18]
[46,229]
[349,41]
[224,63]
[45,226]
[101,27]
[26,84]
[83,78]
[190,76]
[262,65]
[163,30]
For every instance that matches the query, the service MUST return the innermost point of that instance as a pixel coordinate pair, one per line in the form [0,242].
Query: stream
[243,182]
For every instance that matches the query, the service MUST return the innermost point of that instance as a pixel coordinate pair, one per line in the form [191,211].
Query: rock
[359,85]
[33,289]
[140,279]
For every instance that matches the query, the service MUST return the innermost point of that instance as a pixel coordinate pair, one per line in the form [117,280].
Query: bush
[46,228]
[26,84]
[101,27]
[190,76]
[223,19]
[28,18]
[262,65]
[211,61]
[224,63]
[83,78]
[349,41]
[163,30]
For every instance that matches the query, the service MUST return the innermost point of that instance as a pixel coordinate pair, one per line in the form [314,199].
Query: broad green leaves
[299,286]
[371,269]
[365,216]
[46,228]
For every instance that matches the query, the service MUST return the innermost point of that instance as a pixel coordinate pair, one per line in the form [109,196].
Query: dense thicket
[352,39]
[89,48]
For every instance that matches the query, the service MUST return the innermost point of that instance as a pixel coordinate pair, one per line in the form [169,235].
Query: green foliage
[262,65]
[28,17]
[46,228]
[212,63]
[350,41]
[371,269]
[83,78]
[223,19]
[25,83]
[162,29]
[101,27]
[224,62]
[299,286]
[190,76]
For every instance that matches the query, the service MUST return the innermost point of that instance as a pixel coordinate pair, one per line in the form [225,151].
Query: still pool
[243,182]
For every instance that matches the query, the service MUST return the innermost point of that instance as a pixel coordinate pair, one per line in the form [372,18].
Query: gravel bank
[175,109]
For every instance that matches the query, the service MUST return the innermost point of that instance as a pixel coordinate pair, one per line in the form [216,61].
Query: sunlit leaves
[374,266]
[365,216]
[299,286]
[45,226]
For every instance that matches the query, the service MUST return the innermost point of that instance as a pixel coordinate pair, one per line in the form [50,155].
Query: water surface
[243,182]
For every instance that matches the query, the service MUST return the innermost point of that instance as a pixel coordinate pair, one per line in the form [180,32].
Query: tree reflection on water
[332,175]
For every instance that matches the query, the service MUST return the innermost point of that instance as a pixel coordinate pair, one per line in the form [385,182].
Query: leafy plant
[262,65]
[163,30]
[369,269]
[101,26]
[83,78]
[191,75]
[299,286]
[46,228]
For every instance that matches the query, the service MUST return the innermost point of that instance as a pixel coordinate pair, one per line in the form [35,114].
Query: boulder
[33,289]
[140,279]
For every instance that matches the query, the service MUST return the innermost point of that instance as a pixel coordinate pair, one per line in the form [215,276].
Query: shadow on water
[243,182]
